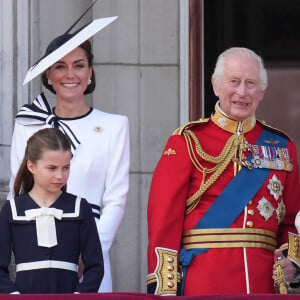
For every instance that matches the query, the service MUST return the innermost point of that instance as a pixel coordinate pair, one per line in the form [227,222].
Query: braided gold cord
[193,156]
[279,280]
[234,140]
[222,161]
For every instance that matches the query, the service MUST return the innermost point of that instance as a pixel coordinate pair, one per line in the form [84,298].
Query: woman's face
[70,75]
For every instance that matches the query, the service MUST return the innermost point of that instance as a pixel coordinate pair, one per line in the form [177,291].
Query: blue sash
[251,181]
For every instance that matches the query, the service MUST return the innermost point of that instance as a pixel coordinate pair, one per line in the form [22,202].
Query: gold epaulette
[274,129]
[180,130]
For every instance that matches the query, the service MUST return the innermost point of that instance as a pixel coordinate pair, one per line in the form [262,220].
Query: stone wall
[137,65]
[3,193]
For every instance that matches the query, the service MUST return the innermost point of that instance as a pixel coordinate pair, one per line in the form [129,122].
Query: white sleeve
[116,185]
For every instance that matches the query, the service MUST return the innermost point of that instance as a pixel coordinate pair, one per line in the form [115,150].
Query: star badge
[265,208]
[280,211]
[275,187]
[222,122]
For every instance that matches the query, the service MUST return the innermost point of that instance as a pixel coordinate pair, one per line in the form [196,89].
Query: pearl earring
[89,81]
[49,81]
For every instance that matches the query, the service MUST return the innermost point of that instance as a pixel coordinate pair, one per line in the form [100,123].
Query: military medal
[270,157]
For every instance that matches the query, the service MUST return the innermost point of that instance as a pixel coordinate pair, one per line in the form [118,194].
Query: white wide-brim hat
[68,43]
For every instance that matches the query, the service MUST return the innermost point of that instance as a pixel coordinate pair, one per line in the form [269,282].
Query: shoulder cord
[221,162]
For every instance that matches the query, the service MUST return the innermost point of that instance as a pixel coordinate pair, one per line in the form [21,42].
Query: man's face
[239,90]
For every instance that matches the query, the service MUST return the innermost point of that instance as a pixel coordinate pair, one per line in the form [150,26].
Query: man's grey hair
[219,68]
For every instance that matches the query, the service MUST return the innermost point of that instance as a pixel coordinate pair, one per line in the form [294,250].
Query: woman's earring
[89,81]
[49,81]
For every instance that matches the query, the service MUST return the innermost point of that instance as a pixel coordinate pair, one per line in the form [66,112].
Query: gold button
[170,259]
[170,276]
[170,268]
[251,212]
[250,224]
[170,284]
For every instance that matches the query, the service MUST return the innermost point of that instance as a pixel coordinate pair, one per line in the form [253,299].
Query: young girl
[47,228]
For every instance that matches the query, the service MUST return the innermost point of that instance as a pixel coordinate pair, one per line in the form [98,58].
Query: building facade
[137,66]
[153,65]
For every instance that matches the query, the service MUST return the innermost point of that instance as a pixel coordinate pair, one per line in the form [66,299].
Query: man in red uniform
[224,194]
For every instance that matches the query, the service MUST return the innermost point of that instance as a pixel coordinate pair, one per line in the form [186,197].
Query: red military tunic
[242,269]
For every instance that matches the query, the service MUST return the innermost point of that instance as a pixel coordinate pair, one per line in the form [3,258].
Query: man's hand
[288,269]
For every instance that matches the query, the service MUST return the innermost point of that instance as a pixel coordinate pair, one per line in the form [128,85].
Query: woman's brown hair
[44,139]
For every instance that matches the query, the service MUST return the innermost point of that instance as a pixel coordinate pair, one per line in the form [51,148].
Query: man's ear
[215,86]
[262,94]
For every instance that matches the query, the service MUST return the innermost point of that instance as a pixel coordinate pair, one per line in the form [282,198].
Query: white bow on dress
[45,224]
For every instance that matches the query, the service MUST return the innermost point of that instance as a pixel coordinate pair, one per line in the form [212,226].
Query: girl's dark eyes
[51,168]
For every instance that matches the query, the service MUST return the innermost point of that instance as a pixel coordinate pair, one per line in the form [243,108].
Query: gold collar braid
[230,125]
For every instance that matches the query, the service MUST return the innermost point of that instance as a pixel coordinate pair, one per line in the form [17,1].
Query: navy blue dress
[76,235]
